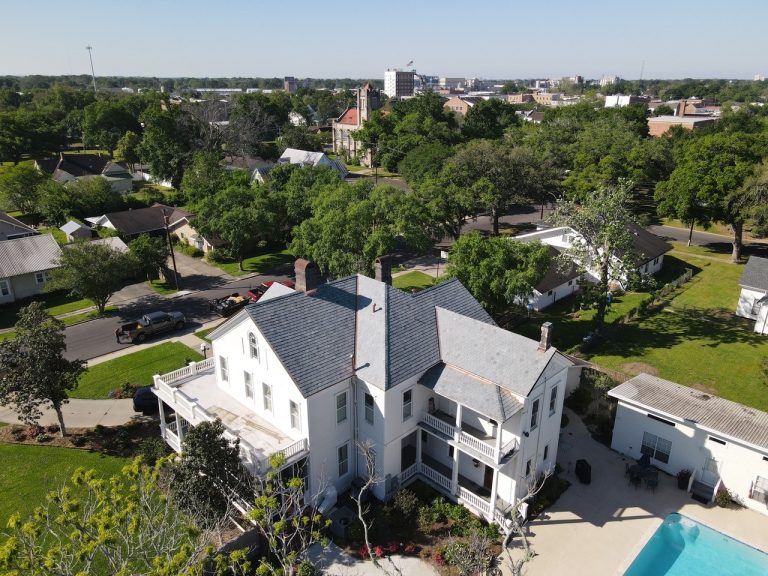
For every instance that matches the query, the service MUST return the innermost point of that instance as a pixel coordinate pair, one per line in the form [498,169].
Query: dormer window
[253,345]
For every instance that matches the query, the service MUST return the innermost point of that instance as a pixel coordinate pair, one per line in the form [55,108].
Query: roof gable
[755,273]
[10,227]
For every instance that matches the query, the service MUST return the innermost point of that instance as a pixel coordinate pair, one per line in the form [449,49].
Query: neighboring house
[10,228]
[660,125]
[257,167]
[557,283]
[351,120]
[753,300]
[438,390]
[113,242]
[461,104]
[25,264]
[76,231]
[648,258]
[307,158]
[723,444]
[71,167]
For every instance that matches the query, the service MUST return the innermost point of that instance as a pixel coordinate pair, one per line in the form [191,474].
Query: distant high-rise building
[398,83]
[608,80]
[289,84]
[759,77]
[577,79]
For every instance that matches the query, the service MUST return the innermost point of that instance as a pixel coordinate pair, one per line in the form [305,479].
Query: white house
[25,264]
[648,258]
[306,158]
[440,391]
[723,444]
[753,300]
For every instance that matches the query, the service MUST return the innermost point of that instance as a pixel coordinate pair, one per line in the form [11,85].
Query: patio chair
[635,481]
[652,483]
[626,469]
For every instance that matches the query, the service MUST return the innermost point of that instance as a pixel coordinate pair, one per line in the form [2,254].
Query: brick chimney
[383,269]
[681,108]
[546,337]
[307,275]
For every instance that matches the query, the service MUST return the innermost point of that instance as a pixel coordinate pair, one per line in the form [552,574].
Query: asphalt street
[97,337]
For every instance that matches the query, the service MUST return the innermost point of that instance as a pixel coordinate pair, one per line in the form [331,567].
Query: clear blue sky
[333,38]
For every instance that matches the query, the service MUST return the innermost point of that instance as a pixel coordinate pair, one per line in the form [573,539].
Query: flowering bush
[410,548]
[438,558]
[363,551]
[378,551]
[392,547]
[35,431]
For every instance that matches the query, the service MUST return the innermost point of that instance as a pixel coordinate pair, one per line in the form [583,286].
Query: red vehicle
[255,293]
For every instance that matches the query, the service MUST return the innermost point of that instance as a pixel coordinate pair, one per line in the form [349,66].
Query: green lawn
[716,228]
[203,334]
[55,303]
[696,340]
[719,251]
[30,472]
[85,316]
[261,263]
[411,280]
[58,235]
[136,368]
[161,287]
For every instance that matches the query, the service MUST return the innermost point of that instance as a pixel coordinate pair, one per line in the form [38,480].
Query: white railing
[474,500]
[438,424]
[408,473]
[478,445]
[294,449]
[508,447]
[435,476]
[191,369]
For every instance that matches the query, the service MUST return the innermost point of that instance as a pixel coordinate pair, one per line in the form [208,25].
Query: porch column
[419,432]
[498,442]
[458,420]
[494,488]
[162,417]
[455,471]
[179,429]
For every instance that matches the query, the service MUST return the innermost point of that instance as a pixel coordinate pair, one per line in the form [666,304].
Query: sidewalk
[430,265]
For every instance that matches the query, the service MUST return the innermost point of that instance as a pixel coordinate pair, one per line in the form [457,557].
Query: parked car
[229,304]
[255,293]
[149,325]
[145,401]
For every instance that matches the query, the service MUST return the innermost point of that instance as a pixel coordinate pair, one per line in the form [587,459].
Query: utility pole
[93,74]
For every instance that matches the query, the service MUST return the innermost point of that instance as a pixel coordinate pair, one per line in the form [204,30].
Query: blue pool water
[683,547]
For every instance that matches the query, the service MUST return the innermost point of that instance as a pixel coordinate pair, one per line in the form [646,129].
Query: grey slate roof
[28,255]
[711,412]
[489,352]
[312,336]
[141,220]
[755,274]
[478,394]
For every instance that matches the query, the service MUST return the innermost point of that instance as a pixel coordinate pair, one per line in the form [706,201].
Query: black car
[145,401]
[229,305]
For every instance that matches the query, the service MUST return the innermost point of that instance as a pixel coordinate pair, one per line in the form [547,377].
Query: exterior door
[710,472]
[488,478]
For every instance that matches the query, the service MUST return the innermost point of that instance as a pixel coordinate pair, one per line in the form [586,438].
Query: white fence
[479,504]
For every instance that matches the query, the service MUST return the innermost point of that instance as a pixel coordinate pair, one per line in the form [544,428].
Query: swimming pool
[683,547]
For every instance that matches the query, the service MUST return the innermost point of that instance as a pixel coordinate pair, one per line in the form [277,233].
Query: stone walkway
[598,529]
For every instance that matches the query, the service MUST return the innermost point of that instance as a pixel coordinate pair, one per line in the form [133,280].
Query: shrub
[564,420]
[43,437]
[438,558]
[424,520]
[306,568]
[363,551]
[406,503]
[378,551]
[35,431]
[52,428]
[723,498]
[79,441]
[410,548]
[152,449]
[392,547]
[440,509]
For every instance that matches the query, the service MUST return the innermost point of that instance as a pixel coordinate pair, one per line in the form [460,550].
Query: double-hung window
[5,290]
[656,447]
[535,414]
[253,345]
[266,391]
[407,404]
[368,408]
[248,381]
[223,369]
[42,277]
[295,415]
[341,407]
[343,460]
[553,401]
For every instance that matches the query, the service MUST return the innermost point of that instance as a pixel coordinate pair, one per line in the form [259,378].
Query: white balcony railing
[408,473]
[478,445]
[436,477]
[438,424]
[479,504]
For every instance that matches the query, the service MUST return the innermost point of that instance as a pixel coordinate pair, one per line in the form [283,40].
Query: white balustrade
[435,476]
[474,500]
[478,445]
[438,424]
[408,473]
[296,448]
[187,371]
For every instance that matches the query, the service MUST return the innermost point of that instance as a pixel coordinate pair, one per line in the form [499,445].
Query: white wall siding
[539,300]
[747,299]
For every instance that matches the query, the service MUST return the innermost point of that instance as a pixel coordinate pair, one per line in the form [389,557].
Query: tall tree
[27,132]
[488,119]
[167,143]
[127,149]
[203,178]
[353,224]
[149,253]
[449,204]
[105,122]
[604,245]
[19,188]
[423,162]
[91,271]
[33,370]
[498,271]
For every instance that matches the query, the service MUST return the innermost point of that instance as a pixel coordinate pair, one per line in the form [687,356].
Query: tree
[750,201]
[92,271]
[19,188]
[423,162]
[167,144]
[33,370]
[254,120]
[285,517]
[353,224]
[105,122]
[117,526]
[710,170]
[449,204]
[28,132]
[663,110]
[604,245]
[92,196]
[299,137]
[292,189]
[488,119]
[127,149]
[149,253]
[204,177]
[209,473]
[497,271]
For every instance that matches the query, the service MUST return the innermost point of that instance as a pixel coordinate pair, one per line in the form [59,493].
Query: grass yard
[58,235]
[261,263]
[30,472]
[136,368]
[161,287]
[413,280]
[55,303]
[696,340]
[718,251]
[716,228]
[203,334]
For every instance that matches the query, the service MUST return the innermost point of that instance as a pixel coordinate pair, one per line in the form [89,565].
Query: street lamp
[204,350]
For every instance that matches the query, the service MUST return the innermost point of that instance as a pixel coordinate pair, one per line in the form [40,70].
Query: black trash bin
[583,471]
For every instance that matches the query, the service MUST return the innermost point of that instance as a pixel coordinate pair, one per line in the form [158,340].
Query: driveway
[197,274]
[598,529]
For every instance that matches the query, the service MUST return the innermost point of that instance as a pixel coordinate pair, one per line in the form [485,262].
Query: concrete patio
[599,528]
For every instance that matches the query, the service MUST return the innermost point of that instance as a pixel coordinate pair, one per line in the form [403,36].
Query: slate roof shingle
[711,412]
[755,273]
